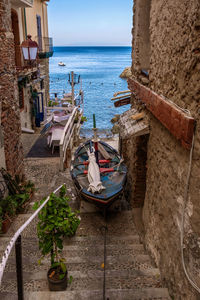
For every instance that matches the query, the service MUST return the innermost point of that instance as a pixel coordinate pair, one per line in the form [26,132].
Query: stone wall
[10,117]
[175,73]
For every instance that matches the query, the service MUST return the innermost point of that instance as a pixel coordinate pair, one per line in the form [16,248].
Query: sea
[99,69]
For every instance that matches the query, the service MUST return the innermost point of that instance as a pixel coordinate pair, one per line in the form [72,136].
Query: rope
[183,218]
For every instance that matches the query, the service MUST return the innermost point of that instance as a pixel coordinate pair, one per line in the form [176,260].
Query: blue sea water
[99,68]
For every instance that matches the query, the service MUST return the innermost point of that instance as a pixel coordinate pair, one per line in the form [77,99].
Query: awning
[133,123]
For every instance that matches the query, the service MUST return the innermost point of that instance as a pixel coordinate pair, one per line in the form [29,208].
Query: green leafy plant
[52,103]
[18,194]
[56,220]
[70,279]
[8,206]
[83,119]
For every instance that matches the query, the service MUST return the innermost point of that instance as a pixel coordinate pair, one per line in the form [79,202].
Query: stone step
[91,274]
[116,241]
[130,280]
[110,240]
[91,223]
[112,294]
[111,260]
[82,251]
[31,265]
[33,243]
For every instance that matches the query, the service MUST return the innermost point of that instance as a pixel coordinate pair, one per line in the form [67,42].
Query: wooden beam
[121,92]
[121,97]
[178,122]
[122,102]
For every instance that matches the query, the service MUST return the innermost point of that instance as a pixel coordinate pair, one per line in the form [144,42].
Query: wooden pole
[121,92]
[121,97]
[72,78]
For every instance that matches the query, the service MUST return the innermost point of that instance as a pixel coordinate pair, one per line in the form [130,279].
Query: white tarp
[95,184]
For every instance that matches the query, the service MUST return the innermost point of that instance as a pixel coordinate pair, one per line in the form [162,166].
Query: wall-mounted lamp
[29,49]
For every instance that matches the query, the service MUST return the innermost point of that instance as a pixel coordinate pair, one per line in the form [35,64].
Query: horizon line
[92,46]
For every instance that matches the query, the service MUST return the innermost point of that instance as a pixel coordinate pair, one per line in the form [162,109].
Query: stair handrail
[18,233]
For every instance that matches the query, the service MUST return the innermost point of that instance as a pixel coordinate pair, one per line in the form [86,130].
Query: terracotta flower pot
[5,225]
[56,284]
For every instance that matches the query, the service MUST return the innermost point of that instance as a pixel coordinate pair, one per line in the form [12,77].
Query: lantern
[29,49]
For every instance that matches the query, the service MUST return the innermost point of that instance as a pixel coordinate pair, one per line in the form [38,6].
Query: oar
[101,161]
[102,170]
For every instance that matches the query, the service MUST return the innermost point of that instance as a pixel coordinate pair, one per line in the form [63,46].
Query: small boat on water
[104,188]
[62,64]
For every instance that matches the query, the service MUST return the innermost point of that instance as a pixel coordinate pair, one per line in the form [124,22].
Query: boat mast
[72,84]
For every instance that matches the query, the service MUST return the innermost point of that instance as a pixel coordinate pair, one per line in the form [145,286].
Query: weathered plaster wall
[175,73]
[10,117]
[25,113]
[141,39]
[44,71]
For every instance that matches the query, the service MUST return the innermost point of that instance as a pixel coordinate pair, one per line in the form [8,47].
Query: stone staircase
[130,273]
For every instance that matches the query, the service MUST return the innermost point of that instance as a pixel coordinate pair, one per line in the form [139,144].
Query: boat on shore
[110,182]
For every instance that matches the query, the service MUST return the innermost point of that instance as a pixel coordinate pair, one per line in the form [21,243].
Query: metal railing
[45,45]
[16,240]
[66,140]
[70,131]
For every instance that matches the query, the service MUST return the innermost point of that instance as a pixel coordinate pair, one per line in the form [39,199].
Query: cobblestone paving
[130,273]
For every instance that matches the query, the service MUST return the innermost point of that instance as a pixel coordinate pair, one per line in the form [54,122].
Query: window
[39,32]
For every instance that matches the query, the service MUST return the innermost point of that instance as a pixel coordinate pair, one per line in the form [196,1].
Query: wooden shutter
[39,32]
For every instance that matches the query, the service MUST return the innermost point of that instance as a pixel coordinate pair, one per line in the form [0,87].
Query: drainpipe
[25,25]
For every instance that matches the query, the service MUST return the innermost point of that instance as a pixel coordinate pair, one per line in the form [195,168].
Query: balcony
[45,47]
[23,68]
[22,3]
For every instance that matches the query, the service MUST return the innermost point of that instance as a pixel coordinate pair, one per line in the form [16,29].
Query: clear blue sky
[90,22]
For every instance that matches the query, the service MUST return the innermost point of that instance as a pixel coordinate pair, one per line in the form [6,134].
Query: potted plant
[8,208]
[56,220]
[18,193]
[83,119]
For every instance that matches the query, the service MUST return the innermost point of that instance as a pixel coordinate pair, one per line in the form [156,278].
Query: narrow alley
[129,271]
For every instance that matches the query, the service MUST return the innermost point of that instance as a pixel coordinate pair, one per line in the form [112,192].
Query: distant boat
[61,64]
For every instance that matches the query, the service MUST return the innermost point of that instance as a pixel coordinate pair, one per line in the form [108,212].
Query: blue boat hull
[113,181]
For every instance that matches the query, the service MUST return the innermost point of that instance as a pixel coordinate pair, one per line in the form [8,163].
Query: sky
[90,22]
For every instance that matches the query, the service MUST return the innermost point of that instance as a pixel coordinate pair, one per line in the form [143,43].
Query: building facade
[165,87]
[30,18]
[11,147]
[24,85]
